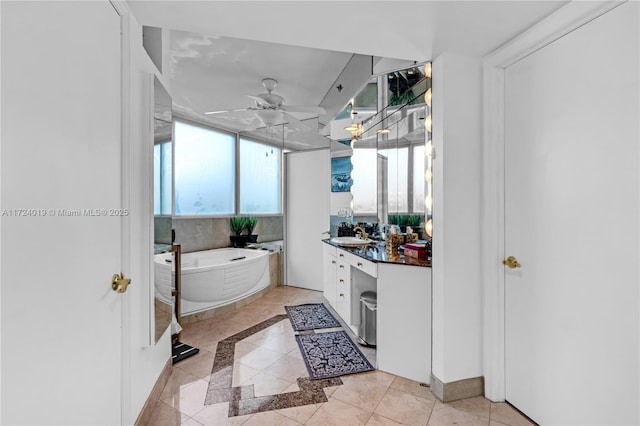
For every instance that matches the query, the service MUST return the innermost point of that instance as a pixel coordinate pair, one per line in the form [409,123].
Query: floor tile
[260,358]
[189,400]
[242,373]
[359,392]
[412,387]
[504,413]
[165,415]
[404,407]
[266,384]
[270,418]
[300,414]
[378,420]
[178,380]
[198,365]
[338,413]
[218,415]
[478,406]
[287,368]
[445,415]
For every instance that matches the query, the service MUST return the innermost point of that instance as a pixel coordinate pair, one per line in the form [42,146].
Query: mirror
[163,307]
[388,119]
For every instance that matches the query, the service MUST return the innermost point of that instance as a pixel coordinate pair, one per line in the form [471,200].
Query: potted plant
[249,225]
[237,225]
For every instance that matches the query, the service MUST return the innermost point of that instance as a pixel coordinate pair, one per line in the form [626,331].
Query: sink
[350,241]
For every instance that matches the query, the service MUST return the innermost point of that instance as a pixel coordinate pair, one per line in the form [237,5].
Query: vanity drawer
[328,249]
[342,255]
[366,266]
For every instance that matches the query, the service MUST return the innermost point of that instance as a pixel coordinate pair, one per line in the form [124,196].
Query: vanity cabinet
[403,313]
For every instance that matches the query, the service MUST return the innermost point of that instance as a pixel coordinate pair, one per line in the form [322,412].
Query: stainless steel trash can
[368,314]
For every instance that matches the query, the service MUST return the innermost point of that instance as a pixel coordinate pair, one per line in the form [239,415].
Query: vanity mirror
[388,151]
[163,303]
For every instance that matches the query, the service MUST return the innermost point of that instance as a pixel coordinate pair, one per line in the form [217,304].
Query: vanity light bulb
[427,70]
[428,202]
[428,149]
[428,227]
[427,97]
[428,175]
[427,123]
[353,142]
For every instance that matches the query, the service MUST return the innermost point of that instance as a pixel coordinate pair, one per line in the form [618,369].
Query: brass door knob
[119,283]
[511,262]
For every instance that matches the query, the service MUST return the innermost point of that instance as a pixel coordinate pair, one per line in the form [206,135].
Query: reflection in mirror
[163,308]
[388,138]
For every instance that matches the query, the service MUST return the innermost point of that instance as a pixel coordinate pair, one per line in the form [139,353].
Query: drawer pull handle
[359,263]
[341,280]
[342,266]
[341,255]
[341,294]
[333,261]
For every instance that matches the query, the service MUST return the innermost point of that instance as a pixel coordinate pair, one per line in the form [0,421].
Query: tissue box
[415,250]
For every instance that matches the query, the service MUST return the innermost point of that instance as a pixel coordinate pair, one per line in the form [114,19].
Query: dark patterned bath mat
[310,317]
[331,354]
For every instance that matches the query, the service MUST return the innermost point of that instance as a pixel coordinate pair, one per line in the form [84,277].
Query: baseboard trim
[154,396]
[460,389]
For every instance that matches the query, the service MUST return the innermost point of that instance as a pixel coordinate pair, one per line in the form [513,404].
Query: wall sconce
[428,227]
[427,123]
[383,131]
[427,70]
[428,175]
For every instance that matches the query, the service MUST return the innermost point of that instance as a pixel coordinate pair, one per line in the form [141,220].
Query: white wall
[456,224]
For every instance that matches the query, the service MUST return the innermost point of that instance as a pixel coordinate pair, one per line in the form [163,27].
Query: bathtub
[213,278]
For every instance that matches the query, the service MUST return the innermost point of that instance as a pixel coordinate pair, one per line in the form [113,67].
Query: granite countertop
[377,253]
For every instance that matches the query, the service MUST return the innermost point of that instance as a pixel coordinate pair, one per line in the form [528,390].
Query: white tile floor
[271,361]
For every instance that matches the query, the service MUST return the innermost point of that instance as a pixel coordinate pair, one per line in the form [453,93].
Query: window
[398,179]
[260,178]
[418,178]
[205,171]
[365,184]
[162,178]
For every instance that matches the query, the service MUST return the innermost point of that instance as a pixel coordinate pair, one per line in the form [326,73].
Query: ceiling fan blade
[226,111]
[303,108]
[260,101]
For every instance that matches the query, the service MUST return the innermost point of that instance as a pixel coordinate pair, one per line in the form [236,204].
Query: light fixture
[353,127]
[382,131]
[428,202]
[428,175]
[427,123]
[427,70]
[428,149]
[353,142]
[427,97]
[428,227]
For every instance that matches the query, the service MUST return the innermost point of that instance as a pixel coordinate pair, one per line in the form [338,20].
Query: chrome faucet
[363,233]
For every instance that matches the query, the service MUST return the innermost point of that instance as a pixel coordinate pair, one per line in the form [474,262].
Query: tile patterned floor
[268,363]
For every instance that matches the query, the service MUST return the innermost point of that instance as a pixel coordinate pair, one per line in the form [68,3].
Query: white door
[307,217]
[62,221]
[571,218]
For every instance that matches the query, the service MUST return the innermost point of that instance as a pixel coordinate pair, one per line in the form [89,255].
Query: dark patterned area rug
[310,317]
[331,354]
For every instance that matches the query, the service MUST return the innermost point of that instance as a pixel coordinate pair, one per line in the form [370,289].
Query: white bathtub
[217,277]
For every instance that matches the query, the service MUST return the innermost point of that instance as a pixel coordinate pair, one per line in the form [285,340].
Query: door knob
[119,283]
[511,262]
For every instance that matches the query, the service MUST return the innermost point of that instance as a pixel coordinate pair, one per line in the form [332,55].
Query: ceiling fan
[270,109]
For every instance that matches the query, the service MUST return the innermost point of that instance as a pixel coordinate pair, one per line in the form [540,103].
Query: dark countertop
[377,253]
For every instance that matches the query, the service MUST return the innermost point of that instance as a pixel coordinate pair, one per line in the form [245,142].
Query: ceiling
[219,51]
